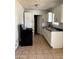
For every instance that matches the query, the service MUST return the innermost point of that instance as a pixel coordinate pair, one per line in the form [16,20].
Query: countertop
[54,28]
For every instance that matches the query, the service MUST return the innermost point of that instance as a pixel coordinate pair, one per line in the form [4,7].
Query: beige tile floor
[39,50]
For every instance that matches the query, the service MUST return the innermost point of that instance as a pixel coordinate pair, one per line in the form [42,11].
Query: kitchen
[49,28]
[47,25]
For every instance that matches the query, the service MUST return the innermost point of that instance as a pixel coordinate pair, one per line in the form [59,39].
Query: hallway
[39,50]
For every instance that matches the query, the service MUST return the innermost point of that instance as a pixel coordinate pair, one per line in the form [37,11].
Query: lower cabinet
[57,39]
[47,35]
[54,38]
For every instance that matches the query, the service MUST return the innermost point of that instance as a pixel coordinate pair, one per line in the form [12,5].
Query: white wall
[18,20]
[59,13]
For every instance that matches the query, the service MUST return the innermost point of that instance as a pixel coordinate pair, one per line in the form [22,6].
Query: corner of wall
[18,18]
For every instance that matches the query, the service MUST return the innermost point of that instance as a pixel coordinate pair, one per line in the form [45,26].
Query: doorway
[35,24]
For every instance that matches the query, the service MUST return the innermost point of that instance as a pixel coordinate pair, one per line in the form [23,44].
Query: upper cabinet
[58,13]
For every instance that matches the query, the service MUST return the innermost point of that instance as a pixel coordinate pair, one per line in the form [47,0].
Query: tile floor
[39,50]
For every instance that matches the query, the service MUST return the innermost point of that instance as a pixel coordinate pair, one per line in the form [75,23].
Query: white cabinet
[57,39]
[47,35]
[54,38]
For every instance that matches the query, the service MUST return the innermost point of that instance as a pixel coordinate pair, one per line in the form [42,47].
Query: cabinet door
[44,33]
[48,35]
[57,39]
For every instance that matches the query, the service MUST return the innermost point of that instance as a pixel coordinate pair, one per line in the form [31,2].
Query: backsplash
[49,24]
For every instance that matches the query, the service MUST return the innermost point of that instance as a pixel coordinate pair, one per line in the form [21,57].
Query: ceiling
[41,4]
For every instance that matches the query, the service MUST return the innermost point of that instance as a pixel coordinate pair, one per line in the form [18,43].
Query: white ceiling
[43,4]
